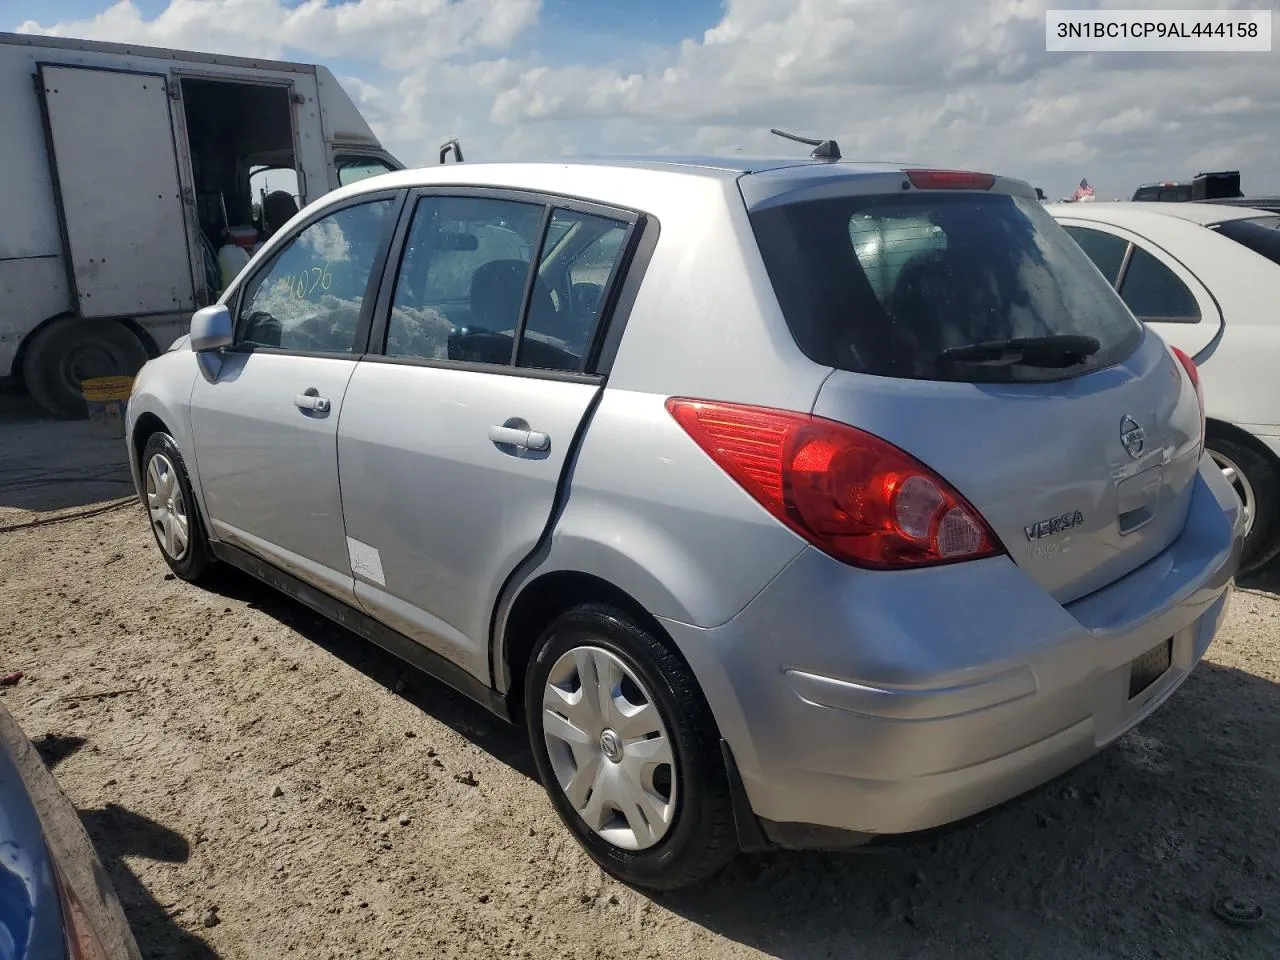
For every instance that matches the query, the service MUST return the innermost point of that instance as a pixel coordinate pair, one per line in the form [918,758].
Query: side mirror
[211,329]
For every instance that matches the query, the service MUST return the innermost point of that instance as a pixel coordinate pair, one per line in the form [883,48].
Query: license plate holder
[1150,667]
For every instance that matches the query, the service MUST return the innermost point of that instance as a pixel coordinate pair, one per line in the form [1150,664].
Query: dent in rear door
[452,447]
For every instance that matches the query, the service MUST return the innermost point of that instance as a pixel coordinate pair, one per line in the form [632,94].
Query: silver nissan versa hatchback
[795,503]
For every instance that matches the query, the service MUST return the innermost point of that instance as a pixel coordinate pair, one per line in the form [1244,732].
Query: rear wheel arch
[1230,431]
[544,599]
[138,330]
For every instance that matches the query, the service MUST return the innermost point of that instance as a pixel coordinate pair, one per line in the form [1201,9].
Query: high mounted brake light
[852,495]
[950,180]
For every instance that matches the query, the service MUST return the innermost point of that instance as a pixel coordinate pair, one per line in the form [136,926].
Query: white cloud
[399,33]
[963,83]
[1127,121]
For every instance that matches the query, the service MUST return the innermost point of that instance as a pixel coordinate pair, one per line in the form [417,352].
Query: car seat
[277,209]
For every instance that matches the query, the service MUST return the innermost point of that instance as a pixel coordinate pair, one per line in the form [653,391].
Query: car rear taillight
[849,493]
[950,180]
[1193,373]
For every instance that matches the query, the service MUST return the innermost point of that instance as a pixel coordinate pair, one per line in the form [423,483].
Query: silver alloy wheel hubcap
[1243,488]
[167,506]
[609,748]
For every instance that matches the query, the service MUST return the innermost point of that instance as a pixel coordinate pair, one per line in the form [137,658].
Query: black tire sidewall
[1261,471]
[42,362]
[694,846]
[196,560]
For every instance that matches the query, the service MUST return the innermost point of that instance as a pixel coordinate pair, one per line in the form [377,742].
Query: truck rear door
[111,147]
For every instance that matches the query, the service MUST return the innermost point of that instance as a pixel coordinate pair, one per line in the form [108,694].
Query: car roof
[690,165]
[639,182]
[1205,214]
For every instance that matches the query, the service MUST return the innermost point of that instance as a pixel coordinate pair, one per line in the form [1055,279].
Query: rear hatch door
[968,329]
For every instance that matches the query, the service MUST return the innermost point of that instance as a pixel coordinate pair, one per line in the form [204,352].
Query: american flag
[1083,192]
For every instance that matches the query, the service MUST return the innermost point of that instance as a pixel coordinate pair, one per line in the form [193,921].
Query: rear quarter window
[885,284]
[1106,250]
[1154,293]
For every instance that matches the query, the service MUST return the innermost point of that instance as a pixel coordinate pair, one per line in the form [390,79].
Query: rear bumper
[887,703]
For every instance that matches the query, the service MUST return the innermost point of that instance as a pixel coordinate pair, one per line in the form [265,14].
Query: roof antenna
[822,149]
[455,147]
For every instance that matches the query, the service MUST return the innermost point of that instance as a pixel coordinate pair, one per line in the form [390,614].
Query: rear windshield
[884,285]
[1261,235]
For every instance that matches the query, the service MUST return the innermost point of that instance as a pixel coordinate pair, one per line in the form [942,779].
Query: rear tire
[67,351]
[1256,479]
[171,509]
[653,749]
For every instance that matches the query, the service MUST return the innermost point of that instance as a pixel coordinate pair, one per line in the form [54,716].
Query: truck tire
[62,353]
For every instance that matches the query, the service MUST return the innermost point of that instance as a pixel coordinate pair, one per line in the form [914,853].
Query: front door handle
[310,401]
[521,439]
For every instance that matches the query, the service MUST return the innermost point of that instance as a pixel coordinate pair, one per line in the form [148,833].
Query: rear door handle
[522,439]
[309,401]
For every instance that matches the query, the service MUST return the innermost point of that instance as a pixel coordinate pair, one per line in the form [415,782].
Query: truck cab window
[352,169]
[271,182]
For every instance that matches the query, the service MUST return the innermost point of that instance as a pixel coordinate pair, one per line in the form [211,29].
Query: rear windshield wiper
[1062,350]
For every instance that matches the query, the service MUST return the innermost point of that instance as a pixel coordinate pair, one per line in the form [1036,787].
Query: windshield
[895,285]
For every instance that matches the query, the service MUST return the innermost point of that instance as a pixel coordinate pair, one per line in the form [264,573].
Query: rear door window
[1261,235]
[907,285]
[1154,293]
[479,274]
[466,263]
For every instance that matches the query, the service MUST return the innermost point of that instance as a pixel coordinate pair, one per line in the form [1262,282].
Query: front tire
[628,751]
[1256,480]
[171,509]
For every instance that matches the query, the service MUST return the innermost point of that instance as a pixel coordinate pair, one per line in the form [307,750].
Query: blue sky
[958,83]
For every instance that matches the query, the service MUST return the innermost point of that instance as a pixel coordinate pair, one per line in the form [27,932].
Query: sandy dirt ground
[262,785]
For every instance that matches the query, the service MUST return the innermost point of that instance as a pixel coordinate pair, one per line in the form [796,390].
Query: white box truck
[124,171]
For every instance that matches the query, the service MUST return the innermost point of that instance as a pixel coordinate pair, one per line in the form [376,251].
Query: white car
[1207,278]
